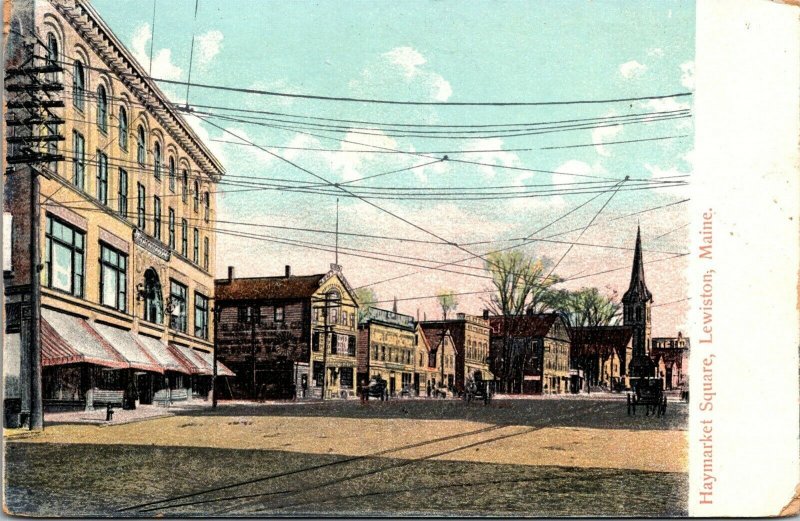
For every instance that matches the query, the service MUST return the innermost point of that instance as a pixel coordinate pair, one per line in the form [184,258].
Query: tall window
[185,185]
[206,205]
[184,238]
[64,252]
[205,253]
[113,278]
[177,294]
[122,192]
[157,161]
[52,146]
[78,84]
[141,206]
[123,128]
[157,217]
[102,178]
[171,174]
[171,225]
[200,315]
[196,247]
[140,146]
[78,159]
[102,109]
[196,196]
[153,303]
[52,56]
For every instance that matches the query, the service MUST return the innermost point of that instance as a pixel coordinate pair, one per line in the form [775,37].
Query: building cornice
[85,19]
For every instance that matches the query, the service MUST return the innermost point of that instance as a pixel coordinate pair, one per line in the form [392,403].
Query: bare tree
[447,300]
[522,285]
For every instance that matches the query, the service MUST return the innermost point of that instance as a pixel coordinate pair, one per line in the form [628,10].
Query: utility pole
[252,310]
[217,315]
[28,89]
[337,232]
[325,345]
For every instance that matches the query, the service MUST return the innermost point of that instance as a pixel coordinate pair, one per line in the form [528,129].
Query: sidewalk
[121,416]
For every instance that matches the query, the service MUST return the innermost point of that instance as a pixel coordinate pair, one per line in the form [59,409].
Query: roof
[384,316]
[538,325]
[267,288]
[434,334]
[600,339]
[637,291]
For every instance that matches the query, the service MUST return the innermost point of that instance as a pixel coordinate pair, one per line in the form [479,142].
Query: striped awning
[67,339]
[162,354]
[208,358]
[191,362]
[125,344]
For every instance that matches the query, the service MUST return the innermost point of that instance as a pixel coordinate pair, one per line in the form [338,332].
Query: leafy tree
[447,300]
[365,298]
[586,307]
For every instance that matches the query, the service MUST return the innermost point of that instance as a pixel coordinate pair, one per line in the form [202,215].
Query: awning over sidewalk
[208,358]
[67,339]
[125,344]
[162,354]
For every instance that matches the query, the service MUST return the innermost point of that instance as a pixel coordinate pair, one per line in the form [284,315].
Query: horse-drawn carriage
[477,388]
[648,393]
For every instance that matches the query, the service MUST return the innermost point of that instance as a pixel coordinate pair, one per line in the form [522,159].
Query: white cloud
[162,66]
[499,157]
[208,46]
[687,74]
[404,65]
[603,134]
[657,171]
[349,164]
[632,69]
[656,52]
[664,104]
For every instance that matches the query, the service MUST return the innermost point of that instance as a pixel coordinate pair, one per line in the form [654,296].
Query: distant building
[387,349]
[600,356]
[425,363]
[471,338]
[275,333]
[443,355]
[674,353]
[636,304]
[531,353]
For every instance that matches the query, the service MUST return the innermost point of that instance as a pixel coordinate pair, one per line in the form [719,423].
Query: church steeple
[637,290]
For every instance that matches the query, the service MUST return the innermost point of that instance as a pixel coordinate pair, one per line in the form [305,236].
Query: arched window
[153,299]
[123,128]
[207,204]
[78,84]
[102,109]
[157,161]
[196,195]
[171,174]
[52,56]
[185,185]
[140,148]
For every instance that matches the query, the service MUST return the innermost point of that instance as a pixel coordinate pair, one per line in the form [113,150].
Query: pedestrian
[364,390]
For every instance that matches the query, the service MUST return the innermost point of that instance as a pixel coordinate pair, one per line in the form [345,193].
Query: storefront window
[64,252]
[346,377]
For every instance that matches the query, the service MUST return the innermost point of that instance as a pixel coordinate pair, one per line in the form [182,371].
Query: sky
[438,51]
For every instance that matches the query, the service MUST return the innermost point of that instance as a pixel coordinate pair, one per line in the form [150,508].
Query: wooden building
[281,334]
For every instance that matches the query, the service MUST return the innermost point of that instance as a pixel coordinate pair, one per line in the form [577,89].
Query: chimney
[230,273]
[486,314]
[288,271]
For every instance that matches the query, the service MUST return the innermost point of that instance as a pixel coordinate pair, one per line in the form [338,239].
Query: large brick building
[122,223]
[471,341]
[387,348]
